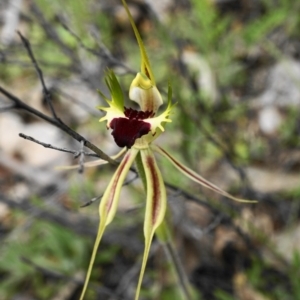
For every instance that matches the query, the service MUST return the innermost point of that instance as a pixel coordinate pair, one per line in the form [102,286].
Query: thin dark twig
[127,182]
[83,105]
[52,34]
[46,145]
[47,95]
[217,221]
[77,38]
[75,64]
[103,53]
[19,104]
[91,201]
[179,269]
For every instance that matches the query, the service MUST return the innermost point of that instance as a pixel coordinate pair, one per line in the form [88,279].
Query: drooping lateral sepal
[195,176]
[155,206]
[109,201]
[156,192]
[108,205]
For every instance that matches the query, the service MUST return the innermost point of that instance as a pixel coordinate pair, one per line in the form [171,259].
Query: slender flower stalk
[134,131]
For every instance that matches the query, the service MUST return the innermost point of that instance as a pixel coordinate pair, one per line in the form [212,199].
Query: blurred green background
[235,72]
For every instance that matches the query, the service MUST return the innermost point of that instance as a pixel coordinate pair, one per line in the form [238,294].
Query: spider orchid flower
[134,131]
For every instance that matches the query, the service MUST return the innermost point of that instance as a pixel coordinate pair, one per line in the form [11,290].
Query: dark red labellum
[126,131]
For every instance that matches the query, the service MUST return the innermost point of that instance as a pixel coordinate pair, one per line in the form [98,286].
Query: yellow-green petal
[108,205]
[116,104]
[155,206]
[115,89]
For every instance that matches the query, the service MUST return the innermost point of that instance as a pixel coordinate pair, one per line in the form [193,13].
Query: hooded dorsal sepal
[145,93]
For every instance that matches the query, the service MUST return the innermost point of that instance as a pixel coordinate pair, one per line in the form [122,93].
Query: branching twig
[52,34]
[103,53]
[47,95]
[81,104]
[76,153]
[7,108]
[19,104]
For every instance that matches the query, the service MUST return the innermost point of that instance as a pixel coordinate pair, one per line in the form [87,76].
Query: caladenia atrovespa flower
[134,131]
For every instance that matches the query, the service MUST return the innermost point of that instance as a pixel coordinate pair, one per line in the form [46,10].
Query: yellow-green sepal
[196,177]
[108,206]
[155,206]
[145,63]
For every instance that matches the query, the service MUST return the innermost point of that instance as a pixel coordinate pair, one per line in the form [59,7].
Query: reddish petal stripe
[155,206]
[191,173]
[126,131]
[115,183]
[110,199]
[156,189]
[156,193]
